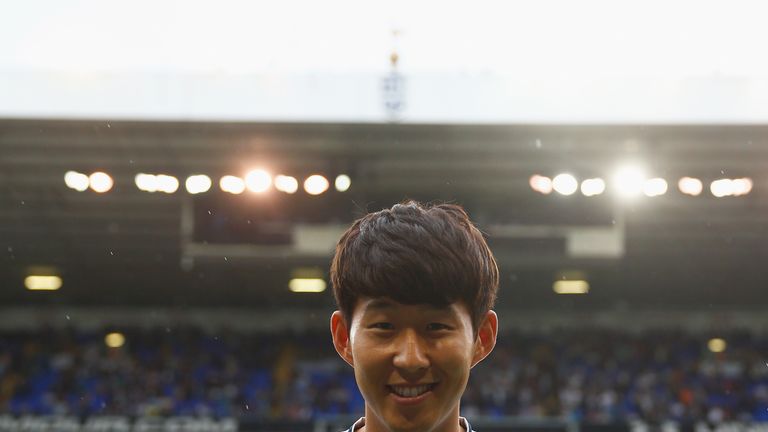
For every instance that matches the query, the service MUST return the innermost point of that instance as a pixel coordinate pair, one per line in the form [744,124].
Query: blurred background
[174,177]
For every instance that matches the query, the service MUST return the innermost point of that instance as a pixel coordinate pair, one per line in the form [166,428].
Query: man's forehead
[385,303]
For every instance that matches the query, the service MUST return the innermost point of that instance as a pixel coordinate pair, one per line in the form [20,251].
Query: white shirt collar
[361,422]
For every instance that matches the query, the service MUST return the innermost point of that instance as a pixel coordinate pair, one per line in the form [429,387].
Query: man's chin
[409,421]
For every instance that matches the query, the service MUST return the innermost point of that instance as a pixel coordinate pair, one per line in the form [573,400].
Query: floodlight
[342,183]
[232,184]
[741,186]
[166,183]
[655,187]
[101,182]
[315,184]
[541,184]
[146,182]
[690,186]
[721,188]
[629,181]
[592,187]
[258,181]
[198,183]
[286,184]
[77,181]
[565,184]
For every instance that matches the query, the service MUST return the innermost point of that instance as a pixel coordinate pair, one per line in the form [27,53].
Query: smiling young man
[415,286]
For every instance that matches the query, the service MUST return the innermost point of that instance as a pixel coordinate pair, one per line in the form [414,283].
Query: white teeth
[410,391]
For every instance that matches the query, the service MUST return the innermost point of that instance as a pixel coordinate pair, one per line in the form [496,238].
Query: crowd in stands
[585,375]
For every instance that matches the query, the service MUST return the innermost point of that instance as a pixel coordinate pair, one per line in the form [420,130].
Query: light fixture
[592,187]
[307,285]
[655,187]
[716,345]
[114,340]
[316,184]
[742,186]
[565,184]
[146,182]
[100,182]
[721,188]
[571,287]
[628,181]
[77,181]
[541,184]
[42,282]
[342,183]
[166,183]
[286,184]
[199,183]
[690,186]
[258,180]
[232,184]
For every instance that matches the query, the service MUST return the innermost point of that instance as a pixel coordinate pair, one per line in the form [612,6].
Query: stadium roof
[126,246]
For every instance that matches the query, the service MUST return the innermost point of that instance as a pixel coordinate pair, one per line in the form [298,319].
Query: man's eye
[437,326]
[382,326]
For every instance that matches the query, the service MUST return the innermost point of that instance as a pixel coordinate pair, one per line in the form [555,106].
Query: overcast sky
[473,61]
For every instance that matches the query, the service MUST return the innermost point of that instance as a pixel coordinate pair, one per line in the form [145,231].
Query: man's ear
[486,337]
[340,334]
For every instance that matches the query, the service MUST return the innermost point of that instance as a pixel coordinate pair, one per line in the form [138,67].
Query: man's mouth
[411,391]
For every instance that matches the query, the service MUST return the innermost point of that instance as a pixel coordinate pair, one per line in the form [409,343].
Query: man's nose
[411,354]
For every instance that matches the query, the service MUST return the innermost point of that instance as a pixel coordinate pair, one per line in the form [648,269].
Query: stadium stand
[586,375]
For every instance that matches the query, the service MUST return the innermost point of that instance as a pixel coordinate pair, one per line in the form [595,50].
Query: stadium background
[192,291]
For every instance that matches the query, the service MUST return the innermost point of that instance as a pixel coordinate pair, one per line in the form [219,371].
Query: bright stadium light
[42,283]
[199,183]
[100,182]
[721,188]
[114,340]
[258,181]
[571,287]
[77,181]
[342,183]
[146,182]
[628,181]
[655,187]
[690,186]
[742,186]
[307,285]
[717,345]
[541,184]
[592,187]
[232,184]
[316,184]
[565,184]
[166,183]
[286,184]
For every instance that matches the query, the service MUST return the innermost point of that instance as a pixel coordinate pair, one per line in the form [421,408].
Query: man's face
[412,362]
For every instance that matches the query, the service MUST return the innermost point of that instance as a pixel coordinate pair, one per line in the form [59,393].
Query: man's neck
[372,423]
